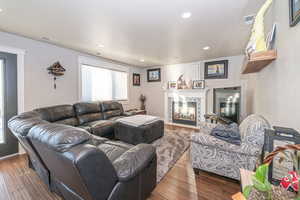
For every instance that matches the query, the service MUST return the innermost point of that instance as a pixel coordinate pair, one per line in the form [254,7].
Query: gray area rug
[169,149]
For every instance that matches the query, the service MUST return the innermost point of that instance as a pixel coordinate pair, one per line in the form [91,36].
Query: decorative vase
[143,99]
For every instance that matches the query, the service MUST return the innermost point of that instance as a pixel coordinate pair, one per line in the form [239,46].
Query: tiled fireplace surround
[198,96]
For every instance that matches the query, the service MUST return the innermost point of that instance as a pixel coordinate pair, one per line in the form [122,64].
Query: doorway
[8,102]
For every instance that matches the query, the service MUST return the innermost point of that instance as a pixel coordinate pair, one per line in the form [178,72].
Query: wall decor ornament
[136,79]
[257,41]
[216,70]
[294,12]
[172,84]
[153,75]
[143,99]
[199,84]
[56,70]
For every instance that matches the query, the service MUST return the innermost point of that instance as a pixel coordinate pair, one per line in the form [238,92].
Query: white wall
[278,92]
[195,71]
[39,89]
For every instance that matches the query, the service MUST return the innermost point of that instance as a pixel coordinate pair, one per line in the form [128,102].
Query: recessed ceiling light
[1,10]
[100,45]
[206,48]
[142,60]
[186,15]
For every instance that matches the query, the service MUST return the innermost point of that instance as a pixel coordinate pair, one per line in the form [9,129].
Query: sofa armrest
[208,140]
[133,161]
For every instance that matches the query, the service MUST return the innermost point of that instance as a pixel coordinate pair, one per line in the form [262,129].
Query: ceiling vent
[249,19]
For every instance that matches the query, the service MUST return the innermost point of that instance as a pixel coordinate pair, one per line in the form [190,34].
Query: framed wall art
[294,12]
[199,84]
[172,85]
[153,75]
[136,79]
[216,70]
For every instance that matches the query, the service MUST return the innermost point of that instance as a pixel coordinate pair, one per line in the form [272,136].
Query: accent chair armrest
[208,140]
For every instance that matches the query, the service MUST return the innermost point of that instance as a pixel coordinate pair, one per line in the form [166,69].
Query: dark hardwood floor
[18,182]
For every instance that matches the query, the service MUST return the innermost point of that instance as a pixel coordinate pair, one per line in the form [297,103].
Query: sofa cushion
[21,124]
[56,113]
[101,127]
[88,111]
[111,105]
[58,137]
[111,109]
[115,118]
[111,114]
[86,128]
[70,121]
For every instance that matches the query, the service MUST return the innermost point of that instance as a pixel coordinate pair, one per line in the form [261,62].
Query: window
[1,101]
[103,84]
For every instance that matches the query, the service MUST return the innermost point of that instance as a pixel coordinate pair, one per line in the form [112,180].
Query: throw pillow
[229,133]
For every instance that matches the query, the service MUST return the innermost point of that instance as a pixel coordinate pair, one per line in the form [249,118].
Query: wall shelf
[258,61]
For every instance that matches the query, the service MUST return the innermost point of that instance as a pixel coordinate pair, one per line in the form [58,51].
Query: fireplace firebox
[184,112]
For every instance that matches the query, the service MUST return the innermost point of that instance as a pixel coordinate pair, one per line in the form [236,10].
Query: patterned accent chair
[217,156]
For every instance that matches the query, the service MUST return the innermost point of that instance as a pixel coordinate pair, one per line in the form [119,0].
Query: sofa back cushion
[111,109]
[252,129]
[61,114]
[88,111]
[58,137]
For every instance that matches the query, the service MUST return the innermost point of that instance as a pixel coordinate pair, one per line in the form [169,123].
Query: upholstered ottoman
[139,129]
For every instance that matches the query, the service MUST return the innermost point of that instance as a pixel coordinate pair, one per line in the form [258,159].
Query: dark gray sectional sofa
[70,148]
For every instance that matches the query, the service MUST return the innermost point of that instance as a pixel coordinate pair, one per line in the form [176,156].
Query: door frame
[20,70]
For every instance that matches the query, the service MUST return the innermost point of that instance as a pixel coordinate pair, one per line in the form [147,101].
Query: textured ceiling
[131,30]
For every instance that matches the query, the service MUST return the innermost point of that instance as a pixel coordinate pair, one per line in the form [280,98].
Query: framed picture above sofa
[216,70]
[294,12]
[153,75]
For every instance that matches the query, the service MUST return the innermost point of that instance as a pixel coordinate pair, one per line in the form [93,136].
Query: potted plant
[262,189]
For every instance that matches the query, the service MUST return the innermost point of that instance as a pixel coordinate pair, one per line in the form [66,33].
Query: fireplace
[184,112]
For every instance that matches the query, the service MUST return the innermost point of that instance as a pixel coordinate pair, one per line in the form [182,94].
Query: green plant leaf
[259,185]
[247,190]
[262,172]
[268,185]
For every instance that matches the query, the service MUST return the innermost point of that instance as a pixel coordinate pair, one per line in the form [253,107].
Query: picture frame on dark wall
[136,79]
[153,75]
[216,70]
[294,12]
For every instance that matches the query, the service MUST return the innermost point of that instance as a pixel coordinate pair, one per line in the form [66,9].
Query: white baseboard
[11,155]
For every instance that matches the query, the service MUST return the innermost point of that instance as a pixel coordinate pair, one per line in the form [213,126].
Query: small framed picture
[199,84]
[153,75]
[294,12]
[136,79]
[216,70]
[172,85]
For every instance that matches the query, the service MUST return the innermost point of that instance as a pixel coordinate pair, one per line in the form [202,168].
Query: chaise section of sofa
[85,166]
